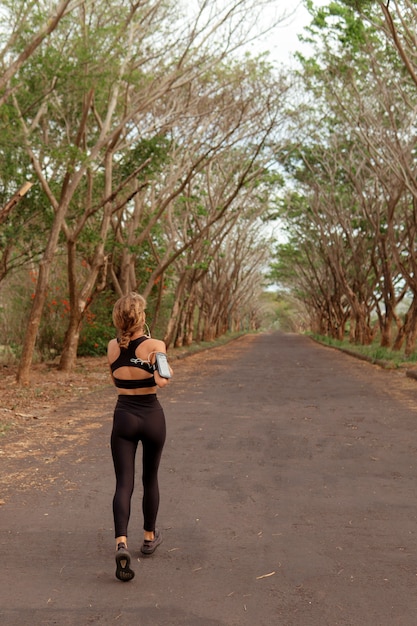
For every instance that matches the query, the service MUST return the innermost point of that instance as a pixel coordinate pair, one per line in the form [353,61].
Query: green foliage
[350,27]
[14,311]
[340,20]
[374,352]
[359,5]
[97,328]
[55,316]
[155,149]
[16,295]
[94,339]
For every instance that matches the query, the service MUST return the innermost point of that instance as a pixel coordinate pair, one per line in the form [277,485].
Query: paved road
[288,498]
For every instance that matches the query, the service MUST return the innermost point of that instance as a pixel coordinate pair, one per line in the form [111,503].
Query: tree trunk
[72,336]
[80,297]
[399,339]
[411,329]
[23,374]
[175,312]
[408,330]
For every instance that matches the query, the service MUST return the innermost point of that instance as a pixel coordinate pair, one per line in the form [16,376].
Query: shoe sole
[123,571]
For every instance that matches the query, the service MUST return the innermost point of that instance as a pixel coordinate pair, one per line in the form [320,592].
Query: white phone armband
[162,365]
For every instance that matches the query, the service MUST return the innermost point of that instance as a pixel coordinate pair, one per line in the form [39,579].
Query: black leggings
[136,418]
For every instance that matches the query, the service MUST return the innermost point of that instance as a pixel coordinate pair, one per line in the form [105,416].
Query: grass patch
[5,427]
[374,352]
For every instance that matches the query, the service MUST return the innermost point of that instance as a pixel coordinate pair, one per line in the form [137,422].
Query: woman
[138,416]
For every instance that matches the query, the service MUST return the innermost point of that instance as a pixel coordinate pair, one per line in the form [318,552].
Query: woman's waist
[149,391]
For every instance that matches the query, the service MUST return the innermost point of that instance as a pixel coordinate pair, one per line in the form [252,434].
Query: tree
[105,80]
[25,27]
[358,143]
[17,47]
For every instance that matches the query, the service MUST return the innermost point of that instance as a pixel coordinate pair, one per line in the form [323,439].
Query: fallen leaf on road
[265,576]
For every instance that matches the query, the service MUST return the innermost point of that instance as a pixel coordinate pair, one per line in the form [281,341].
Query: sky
[286,41]
[283,41]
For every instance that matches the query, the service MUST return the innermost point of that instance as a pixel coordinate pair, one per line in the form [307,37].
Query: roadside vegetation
[375,353]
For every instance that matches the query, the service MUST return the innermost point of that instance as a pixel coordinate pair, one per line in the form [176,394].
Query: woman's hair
[129,316]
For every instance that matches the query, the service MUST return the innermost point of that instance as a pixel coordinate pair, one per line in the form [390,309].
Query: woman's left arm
[160,381]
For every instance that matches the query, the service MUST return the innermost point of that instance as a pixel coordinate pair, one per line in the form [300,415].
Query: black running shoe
[149,546]
[123,571]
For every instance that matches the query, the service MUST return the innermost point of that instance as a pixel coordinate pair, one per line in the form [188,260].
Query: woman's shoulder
[159,345]
[154,345]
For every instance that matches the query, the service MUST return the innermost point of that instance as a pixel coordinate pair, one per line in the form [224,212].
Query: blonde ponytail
[129,317]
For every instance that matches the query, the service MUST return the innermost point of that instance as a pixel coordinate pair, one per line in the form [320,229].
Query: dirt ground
[27,413]
[287,495]
[48,388]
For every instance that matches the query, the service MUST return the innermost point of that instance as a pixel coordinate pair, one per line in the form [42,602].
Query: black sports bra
[128,358]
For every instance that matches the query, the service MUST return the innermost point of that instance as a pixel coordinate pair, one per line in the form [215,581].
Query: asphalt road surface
[288,498]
